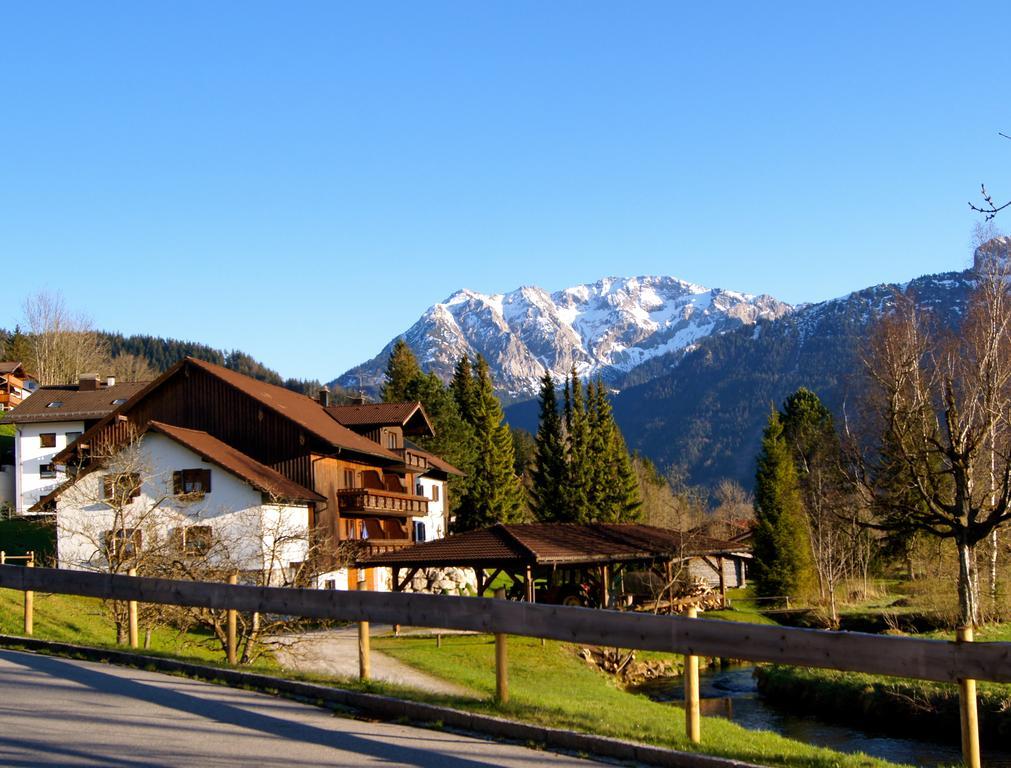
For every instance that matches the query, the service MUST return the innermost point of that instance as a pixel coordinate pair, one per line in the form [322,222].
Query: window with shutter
[191,482]
[47,440]
[119,489]
[123,543]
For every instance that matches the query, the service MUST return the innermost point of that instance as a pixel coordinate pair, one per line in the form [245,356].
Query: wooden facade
[368,495]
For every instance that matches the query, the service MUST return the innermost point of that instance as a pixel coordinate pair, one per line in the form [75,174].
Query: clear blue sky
[301,180]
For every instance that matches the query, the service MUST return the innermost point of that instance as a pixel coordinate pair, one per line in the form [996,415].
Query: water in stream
[732,693]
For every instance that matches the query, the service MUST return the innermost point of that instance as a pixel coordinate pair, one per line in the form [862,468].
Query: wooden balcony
[412,460]
[371,501]
[372,547]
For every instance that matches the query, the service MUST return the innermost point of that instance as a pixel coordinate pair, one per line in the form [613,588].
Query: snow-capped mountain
[605,328]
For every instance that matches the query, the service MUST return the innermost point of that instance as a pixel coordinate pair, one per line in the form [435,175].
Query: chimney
[324,396]
[88,382]
[110,381]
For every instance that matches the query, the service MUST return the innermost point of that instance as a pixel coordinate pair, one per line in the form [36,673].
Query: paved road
[58,712]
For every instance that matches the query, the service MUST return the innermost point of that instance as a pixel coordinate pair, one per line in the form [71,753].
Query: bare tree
[64,345]
[941,404]
[989,207]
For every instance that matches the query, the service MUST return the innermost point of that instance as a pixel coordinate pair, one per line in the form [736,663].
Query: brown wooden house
[368,487]
[15,384]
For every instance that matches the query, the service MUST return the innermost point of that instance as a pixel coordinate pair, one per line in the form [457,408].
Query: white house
[175,490]
[48,422]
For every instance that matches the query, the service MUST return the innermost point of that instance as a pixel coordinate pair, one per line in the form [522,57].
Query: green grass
[551,686]
[18,536]
[84,621]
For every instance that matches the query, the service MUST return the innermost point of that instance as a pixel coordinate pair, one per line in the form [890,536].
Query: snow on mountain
[604,328]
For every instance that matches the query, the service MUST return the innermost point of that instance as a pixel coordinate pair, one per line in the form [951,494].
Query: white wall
[435,521]
[29,455]
[244,526]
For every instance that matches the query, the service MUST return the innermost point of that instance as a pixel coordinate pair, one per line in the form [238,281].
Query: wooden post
[604,596]
[364,660]
[231,620]
[723,581]
[531,597]
[501,660]
[692,713]
[438,639]
[3,557]
[131,611]
[30,604]
[967,707]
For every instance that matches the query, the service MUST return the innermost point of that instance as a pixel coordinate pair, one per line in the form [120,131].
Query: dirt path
[335,653]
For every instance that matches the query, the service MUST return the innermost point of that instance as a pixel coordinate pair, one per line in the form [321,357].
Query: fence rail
[919,658]
[938,660]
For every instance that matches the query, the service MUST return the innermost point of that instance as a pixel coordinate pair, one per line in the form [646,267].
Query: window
[119,489]
[47,471]
[191,482]
[55,404]
[435,492]
[47,440]
[419,531]
[330,584]
[72,436]
[193,539]
[123,543]
[391,440]
[349,478]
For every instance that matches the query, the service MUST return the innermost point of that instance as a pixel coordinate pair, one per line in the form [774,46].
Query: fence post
[967,708]
[131,611]
[501,660]
[693,725]
[231,620]
[3,557]
[364,651]
[30,604]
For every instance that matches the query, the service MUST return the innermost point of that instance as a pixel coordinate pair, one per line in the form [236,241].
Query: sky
[300,181]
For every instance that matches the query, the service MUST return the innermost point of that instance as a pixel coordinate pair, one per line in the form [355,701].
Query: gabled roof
[258,475]
[74,404]
[210,449]
[553,544]
[12,366]
[411,416]
[302,410]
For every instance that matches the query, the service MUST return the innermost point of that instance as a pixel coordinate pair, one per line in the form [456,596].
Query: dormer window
[55,404]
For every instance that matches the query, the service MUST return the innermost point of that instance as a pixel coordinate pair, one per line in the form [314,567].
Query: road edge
[390,708]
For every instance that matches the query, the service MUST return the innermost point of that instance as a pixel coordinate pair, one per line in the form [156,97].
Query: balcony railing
[372,547]
[377,502]
[411,459]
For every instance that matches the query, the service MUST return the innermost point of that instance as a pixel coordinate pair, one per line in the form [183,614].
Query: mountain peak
[603,328]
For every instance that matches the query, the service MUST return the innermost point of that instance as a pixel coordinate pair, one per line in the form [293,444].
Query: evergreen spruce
[782,553]
[547,493]
[577,480]
[464,389]
[402,371]
[494,494]
[622,501]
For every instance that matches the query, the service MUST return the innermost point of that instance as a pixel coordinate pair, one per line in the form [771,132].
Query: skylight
[55,404]
[119,401]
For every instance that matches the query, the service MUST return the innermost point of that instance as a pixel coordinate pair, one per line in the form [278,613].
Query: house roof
[435,462]
[302,410]
[552,544]
[75,405]
[409,415]
[12,366]
[258,475]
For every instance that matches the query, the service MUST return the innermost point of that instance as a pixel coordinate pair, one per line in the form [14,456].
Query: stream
[732,693]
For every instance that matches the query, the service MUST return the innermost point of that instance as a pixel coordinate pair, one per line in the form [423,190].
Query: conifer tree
[402,371]
[547,494]
[577,473]
[621,500]
[494,494]
[464,389]
[782,553]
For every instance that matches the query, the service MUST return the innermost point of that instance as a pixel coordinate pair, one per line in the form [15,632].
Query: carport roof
[553,544]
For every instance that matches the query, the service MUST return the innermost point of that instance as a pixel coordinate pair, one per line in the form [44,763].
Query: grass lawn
[550,686]
[83,621]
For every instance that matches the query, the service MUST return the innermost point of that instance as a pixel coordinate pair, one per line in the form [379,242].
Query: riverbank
[892,705]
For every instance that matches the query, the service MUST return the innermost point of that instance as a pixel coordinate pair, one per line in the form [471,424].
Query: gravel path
[335,653]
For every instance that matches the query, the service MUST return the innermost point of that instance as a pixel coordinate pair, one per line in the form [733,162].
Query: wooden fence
[911,657]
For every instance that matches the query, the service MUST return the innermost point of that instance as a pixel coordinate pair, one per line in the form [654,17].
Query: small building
[15,384]
[571,563]
[48,422]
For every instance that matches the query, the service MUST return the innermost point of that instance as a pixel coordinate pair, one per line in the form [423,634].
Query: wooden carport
[532,551]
